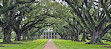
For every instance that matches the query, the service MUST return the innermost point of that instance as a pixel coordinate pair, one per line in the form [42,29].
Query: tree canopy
[90,19]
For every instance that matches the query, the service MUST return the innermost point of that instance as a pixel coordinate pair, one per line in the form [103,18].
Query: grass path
[68,44]
[35,44]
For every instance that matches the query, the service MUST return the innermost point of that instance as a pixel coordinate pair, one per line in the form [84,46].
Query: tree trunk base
[18,37]
[83,40]
[99,43]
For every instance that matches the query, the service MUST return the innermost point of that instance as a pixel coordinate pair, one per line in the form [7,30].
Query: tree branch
[106,30]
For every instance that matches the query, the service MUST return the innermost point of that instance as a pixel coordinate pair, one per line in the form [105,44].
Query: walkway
[50,45]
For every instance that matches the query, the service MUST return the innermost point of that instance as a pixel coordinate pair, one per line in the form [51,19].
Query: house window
[55,37]
[52,33]
[47,37]
[55,33]
[52,37]
[47,33]
[44,36]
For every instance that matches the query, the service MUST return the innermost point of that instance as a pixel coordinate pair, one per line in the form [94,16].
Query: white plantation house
[49,34]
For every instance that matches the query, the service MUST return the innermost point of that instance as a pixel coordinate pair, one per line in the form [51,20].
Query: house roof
[47,31]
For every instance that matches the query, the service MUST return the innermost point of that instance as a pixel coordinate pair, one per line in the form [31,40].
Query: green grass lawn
[35,44]
[1,40]
[68,44]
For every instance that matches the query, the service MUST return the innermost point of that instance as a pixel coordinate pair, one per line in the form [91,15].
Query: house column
[57,36]
[48,35]
[51,35]
[45,35]
[54,35]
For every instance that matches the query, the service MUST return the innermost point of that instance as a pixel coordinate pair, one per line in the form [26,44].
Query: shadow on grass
[2,46]
[107,46]
[26,40]
[10,43]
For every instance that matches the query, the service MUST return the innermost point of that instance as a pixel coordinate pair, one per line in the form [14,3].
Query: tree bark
[96,38]
[24,36]
[76,36]
[29,38]
[72,38]
[18,36]
[83,37]
[8,26]
[7,34]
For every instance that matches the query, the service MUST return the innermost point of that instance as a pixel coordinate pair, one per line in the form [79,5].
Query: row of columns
[45,34]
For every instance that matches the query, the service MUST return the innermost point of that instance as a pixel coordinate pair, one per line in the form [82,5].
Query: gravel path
[50,45]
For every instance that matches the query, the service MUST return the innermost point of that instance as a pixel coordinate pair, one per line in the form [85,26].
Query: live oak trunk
[76,36]
[96,38]
[83,37]
[29,38]
[61,36]
[18,36]
[7,34]
[8,27]
[72,38]
[24,36]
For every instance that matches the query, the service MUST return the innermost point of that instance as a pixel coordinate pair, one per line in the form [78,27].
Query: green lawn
[68,44]
[61,44]
[1,40]
[35,44]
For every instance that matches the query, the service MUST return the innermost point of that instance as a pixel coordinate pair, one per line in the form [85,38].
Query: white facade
[49,34]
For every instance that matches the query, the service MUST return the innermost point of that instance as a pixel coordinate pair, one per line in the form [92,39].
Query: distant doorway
[49,37]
